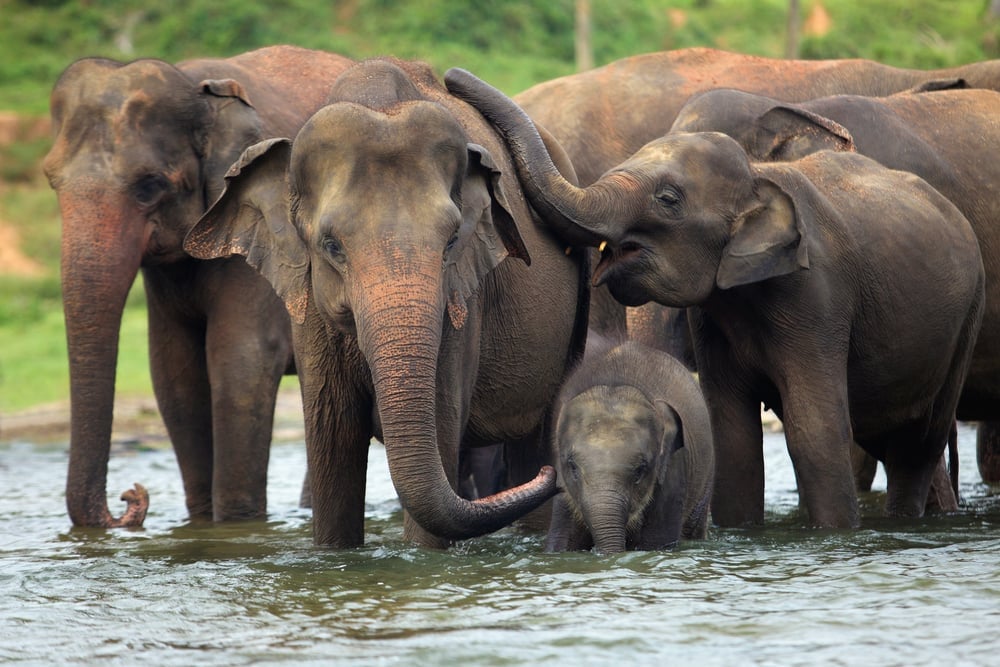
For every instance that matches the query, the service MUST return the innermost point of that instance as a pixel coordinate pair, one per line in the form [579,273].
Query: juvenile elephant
[633,447]
[395,230]
[844,294]
[950,138]
[140,151]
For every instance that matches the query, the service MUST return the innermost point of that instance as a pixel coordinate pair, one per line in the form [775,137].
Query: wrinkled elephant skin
[139,152]
[407,235]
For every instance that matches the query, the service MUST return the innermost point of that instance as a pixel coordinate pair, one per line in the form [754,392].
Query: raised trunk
[100,259]
[579,216]
[399,330]
[607,515]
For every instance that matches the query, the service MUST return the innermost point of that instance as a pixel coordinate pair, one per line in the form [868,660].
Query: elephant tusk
[600,248]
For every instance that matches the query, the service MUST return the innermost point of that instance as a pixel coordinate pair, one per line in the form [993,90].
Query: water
[175,593]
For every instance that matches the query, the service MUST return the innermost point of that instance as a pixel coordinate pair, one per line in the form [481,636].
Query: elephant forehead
[406,128]
[606,414]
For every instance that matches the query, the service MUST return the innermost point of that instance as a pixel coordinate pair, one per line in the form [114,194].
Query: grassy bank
[511,44]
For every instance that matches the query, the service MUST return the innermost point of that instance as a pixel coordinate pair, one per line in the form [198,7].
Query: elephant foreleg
[337,405]
[988,451]
[180,382]
[247,348]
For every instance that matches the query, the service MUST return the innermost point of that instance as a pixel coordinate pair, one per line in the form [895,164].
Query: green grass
[33,363]
[513,44]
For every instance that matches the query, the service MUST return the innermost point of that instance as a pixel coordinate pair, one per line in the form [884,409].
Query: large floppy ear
[251,219]
[767,240]
[487,236]
[672,437]
[785,133]
[234,126]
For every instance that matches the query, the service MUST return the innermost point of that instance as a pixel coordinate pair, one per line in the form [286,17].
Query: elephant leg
[482,471]
[988,451]
[864,466]
[180,383]
[338,406]
[908,483]
[819,438]
[565,532]
[523,458]
[941,497]
[247,348]
[738,498]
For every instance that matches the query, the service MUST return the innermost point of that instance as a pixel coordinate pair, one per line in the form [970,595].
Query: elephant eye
[572,469]
[149,189]
[669,199]
[332,248]
[640,471]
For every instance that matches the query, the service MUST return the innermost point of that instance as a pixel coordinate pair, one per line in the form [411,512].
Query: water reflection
[894,592]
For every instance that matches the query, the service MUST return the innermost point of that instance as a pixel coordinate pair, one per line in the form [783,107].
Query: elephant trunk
[399,319]
[606,513]
[100,259]
[580,216]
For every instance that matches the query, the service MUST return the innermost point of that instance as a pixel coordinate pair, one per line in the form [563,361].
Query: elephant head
[684,215]
[384,215]
[615,450]
[766,128]
[138,151]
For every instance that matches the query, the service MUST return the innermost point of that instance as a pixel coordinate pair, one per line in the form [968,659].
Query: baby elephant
[634,456]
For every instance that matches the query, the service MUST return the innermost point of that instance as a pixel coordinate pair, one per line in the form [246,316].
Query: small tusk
[600,248]
[569,249]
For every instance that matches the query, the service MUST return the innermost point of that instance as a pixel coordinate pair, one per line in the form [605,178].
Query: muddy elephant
[429,308]
[845,295]
[634,453]
[950,138]
[140,151]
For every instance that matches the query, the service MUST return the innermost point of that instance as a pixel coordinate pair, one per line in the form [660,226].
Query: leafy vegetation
[511,43]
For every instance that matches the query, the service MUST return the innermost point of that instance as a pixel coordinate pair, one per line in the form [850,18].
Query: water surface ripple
[175,593]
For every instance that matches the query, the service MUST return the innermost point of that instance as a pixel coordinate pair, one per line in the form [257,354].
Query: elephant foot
[988,451]
[137,501]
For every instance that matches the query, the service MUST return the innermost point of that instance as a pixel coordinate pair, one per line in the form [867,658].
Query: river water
[176,593]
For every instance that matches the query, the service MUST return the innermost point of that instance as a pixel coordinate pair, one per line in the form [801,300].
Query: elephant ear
[234,125]
[671,439]
[251,219]
[767,240]
[487,236]
[786,133]
[955,83]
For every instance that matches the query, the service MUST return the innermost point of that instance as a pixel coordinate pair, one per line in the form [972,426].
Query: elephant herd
[447,269]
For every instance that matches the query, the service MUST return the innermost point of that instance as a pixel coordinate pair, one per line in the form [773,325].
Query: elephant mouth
[616,261]
[626,270]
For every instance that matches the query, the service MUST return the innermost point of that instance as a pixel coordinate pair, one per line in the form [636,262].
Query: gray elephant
[602,116]
[950,138]
[634,453]
[140,150]
[844,294]
[396,232]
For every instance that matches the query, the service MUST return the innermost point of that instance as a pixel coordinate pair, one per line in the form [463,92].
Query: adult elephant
[818,286]
[140,151]
[396,231]
[950,138]
[602,116]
